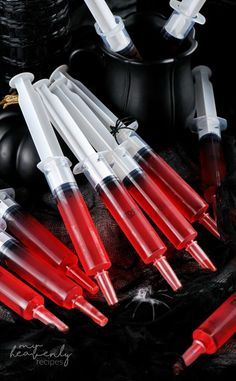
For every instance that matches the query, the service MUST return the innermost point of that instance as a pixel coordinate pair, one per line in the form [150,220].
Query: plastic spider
[143,295]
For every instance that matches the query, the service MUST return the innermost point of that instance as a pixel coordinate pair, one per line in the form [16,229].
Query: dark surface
[151,326]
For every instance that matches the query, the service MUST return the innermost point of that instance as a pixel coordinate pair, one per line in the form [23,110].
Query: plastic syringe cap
[88,309]
[200,256]
[106,287]
[167,272]
[209,224]
[46,317]
[82,279]
[193,352]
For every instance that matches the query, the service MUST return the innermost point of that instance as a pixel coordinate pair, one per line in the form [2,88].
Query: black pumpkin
[18,155]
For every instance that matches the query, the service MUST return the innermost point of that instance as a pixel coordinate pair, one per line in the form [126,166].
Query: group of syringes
[131,180]
[185,15]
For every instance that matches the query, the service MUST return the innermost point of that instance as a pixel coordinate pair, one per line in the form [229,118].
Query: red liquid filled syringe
[56,168]
[41,275]
[37,238]
[124,210]
[26,302]
[147,194]
[208,127]
[111,29]
[184,197]
[213,333]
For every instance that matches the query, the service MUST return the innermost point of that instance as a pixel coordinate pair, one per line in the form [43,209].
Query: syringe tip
[46,317]
[214,205]
[91,311]
[200,256]
[209,224]
[106,287]
[167,272]
[193,352]
[82,279]
[179,367]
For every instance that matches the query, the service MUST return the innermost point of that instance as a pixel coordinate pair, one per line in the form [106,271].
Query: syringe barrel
[185,15]
[81,228]
[118,39]
[39,239]
[212,165]
[178,26]
[182,195]
[36,237]
[159,208]
[219,327]
[74,211]
[17,295]
[131,220]
[38,273]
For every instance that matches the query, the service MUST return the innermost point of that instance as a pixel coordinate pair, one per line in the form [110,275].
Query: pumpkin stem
[9,99]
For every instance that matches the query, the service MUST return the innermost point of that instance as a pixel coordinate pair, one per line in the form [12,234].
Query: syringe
[213,333]
[184,197]
[112,30]
[118,201]
[145,192]
[208,126]
[36,237]
[41,275]
[26,302]
[56,168]
[185,15]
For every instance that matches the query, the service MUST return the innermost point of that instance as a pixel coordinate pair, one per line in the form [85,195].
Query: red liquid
[212,166]
[82,231]
[155,203]
[189,203]
[26,302]
[131,220]
[214,332]
[43,277]
[85,238]
[37,238]
[130,52]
